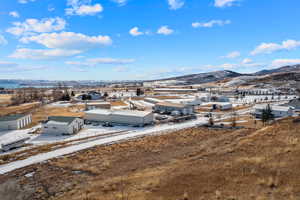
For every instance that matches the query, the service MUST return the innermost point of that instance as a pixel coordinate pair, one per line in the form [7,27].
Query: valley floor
[193,164]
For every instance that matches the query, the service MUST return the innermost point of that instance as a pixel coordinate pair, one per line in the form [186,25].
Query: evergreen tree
[267,114]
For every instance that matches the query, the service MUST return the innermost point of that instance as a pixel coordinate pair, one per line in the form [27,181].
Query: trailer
[13,143]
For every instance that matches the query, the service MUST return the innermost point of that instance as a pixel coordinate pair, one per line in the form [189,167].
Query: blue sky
[144,39]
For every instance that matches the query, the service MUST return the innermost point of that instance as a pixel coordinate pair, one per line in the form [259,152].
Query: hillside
[205,77]
[227,75]
[293,68]
[197,163]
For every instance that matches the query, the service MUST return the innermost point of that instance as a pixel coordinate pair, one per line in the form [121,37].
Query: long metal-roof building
[14,122]
[126,117]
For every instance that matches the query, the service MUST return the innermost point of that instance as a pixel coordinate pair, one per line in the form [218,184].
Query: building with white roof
[277,111]
[14,122]
[124,117]
[62,125]
[169,108]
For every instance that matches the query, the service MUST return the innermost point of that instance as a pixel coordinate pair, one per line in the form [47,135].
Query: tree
[233,119]
[267,114]
[211,121]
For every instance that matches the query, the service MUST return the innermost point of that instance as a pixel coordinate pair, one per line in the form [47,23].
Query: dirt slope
[192,164]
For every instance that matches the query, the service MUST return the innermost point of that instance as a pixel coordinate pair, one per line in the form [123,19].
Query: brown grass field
[5,99]
[23,108]
[191,164]
[118,103]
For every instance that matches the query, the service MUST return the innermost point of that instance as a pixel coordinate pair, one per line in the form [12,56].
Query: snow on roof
[60,119]
[12,117]
[13,139]
[273,107]
[119,112]
[169,104]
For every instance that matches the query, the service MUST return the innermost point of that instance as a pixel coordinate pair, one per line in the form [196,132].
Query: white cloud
[25,1]
[14,14]
[51,8]
[175,4]
[135,32]
[284,62]
[68,40]
[224,3]
[267,48]
[12,68]
[110,61]
[233,54]
[3,41]
[98,61]
[31,26]
[247,61]
[4,64]
[82,8]
[120,2]
[120,69]
[165,30]
[211,23]
[43,54]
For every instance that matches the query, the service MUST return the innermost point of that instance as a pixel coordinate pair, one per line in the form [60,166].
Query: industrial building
[277,111]
[14,122]
[62,125]
[169,108]
[123,117]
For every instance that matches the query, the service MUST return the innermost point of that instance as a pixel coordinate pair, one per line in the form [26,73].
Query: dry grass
[42,113]
[118,103]
[191,164]
[5,99]
[23,108]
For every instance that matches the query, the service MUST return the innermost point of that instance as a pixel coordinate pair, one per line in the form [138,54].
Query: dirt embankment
[192,164]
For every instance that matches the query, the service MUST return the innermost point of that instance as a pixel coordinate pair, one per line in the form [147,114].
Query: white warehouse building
[277,111]
[62,125]
[14,122]
[125,117]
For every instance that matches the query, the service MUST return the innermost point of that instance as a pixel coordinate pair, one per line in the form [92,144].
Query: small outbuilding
[62,125]
[123,117]
[14,122]
[222,105]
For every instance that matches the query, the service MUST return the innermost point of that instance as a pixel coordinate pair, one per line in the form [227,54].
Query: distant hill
[228,75]
[205,77]
[292,68]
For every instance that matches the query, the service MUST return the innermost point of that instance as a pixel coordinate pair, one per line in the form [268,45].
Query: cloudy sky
[144,39]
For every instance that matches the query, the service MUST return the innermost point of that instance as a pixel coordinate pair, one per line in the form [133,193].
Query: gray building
[62,125]
[14,122]
[124,117]
[169,108]
[277,111]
